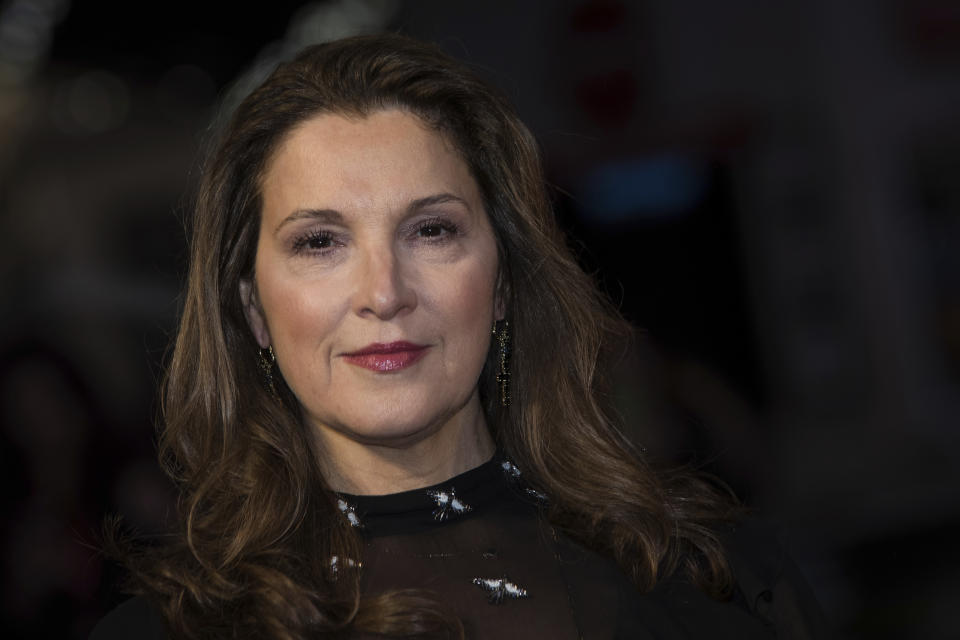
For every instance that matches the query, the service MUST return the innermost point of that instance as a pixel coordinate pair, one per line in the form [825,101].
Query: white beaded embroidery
[447,504]
[537,495]
[510,469]
[513,473]
[335,564]
[500,588]
[350,512]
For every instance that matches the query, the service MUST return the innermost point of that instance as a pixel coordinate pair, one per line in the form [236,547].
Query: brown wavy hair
[258,524]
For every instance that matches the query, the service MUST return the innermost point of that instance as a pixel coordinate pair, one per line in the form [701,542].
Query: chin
[394,419]
[395,428]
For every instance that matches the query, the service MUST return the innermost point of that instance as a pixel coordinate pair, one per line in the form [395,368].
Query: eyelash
[444,225]
[302,243]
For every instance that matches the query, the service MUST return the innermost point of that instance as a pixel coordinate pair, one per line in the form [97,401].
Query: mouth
[387,357]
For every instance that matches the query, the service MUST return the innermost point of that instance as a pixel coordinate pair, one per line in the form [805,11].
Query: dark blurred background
[769,189]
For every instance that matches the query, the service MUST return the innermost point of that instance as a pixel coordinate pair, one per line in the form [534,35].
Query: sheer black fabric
[478,542]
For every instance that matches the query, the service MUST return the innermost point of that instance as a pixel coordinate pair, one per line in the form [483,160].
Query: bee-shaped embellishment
[350,512]
[510,469]
[500,588]
[512,472]
[448,504]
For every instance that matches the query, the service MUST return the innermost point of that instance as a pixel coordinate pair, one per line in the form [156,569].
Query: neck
[371,468]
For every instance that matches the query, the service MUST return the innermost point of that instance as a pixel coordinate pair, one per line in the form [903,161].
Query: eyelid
[306,226]
[442,231]
[445,222]
[299,241]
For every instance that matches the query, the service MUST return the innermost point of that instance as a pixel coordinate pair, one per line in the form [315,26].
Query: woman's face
[375,281]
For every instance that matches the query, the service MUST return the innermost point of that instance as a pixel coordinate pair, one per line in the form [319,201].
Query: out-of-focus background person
[769,190]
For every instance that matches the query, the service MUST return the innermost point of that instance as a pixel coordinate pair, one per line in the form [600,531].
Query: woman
[385,408]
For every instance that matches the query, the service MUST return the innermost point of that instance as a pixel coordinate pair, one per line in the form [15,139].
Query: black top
[478,542]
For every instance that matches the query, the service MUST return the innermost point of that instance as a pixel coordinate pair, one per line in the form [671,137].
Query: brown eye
[431,231]
[314,242]
[435,230]
[319,242]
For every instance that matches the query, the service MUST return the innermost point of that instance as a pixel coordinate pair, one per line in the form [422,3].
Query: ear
[254,313]
[499,297]
[499,308]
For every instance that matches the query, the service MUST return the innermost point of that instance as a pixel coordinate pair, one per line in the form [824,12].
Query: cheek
[299,314]
[469,308]
[475,298]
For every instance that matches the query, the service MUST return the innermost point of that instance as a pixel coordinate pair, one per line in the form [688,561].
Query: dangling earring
[267,360]
[501,331]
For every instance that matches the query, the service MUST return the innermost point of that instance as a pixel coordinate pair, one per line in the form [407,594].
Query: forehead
[353,158]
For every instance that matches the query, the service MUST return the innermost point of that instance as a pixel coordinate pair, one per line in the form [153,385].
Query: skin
[374,231]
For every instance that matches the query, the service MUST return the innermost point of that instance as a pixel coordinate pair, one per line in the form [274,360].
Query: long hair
[258,523]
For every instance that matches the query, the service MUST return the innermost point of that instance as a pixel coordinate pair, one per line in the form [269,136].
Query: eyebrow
[439,198]
[329,216]
[332,216]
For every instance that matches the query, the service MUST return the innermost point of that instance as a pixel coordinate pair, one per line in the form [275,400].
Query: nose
[384,289]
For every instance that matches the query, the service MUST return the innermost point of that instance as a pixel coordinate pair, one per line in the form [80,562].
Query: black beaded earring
[501,331]
[266,362]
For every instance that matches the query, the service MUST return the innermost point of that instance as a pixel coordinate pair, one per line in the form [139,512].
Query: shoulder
[771,584]
[135,618]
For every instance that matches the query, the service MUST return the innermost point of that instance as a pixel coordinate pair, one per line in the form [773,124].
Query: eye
[430,231]
[435,229]
[314,242]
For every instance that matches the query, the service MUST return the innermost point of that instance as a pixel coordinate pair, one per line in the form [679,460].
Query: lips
[392,356]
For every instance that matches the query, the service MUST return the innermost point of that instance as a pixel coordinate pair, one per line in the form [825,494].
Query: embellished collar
[460,497]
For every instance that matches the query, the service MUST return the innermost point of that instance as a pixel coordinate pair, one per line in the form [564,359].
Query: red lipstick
[391,356]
